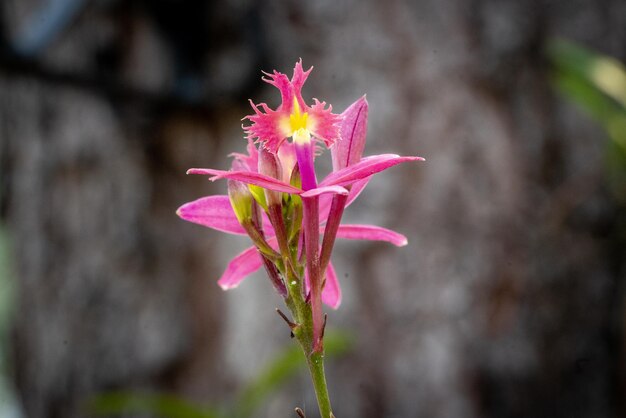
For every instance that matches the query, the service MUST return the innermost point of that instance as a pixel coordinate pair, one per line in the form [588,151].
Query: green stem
[304,334]
[316,367]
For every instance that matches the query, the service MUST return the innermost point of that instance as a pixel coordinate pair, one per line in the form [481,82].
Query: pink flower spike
[371,233]
[213,212]
[349,149]
[248,177]
[240,267]
[365,168]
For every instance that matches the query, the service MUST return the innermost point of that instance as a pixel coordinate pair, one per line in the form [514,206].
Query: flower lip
[271,127]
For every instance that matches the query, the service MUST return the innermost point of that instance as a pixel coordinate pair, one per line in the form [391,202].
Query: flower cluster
[275,198]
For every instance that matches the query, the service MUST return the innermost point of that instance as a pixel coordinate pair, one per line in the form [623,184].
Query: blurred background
[509,300]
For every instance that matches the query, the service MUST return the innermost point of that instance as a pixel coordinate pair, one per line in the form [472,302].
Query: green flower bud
[241,201]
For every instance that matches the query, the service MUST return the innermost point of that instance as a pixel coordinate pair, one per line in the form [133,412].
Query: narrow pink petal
[240,267]
[349,149]
[331,294]
[324,123]
[356,190]
[327,199]
[365,168]
[213,212]
[324,190]
[247,177]
[243,162]
[371,233]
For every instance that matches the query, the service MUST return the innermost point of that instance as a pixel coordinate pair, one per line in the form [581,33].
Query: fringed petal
[297,81]
[324,124]
[268,126]
[282,83]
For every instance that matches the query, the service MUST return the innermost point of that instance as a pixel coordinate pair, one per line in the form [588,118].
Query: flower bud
[270,166]
[241,201]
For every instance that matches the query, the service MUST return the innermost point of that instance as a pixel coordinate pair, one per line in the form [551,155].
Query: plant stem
[304,334]
[316,367]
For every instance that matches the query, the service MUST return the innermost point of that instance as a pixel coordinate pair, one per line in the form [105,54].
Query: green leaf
[161,405]
[285,366]
[595,82]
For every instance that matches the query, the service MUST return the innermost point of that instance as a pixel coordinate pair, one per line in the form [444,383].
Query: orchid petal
[297,81]
[327,199]
[371,233]
[324,190]
[213,212]
[247,177]
[331,294]
[267,126]
[356,190]
[365,168]
[349,149]
[240,267]
[243,162]
[325,124]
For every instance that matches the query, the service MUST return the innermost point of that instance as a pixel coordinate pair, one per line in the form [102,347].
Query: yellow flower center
[297,119]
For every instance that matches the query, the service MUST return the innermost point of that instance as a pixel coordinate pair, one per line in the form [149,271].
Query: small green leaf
[285,366]
[161,405]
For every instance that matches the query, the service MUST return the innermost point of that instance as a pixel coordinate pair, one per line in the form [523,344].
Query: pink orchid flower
[282,168]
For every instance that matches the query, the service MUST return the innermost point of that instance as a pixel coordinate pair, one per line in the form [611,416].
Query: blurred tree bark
[507,303]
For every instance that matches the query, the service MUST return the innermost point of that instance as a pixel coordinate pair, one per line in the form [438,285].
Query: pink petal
[213,212]
[324,190]
[365,168]
[247,177]
[371,233]
[356,190]
[324,123]
[245,162]
[240,267]
[266,126]
[297,81]
[331,294]
[282,83]
[327,199]
[349,149]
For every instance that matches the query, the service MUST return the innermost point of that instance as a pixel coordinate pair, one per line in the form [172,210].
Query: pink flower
[296,209]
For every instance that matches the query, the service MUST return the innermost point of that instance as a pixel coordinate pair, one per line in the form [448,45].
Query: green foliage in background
[597,83]
[274,375]
[8,406]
